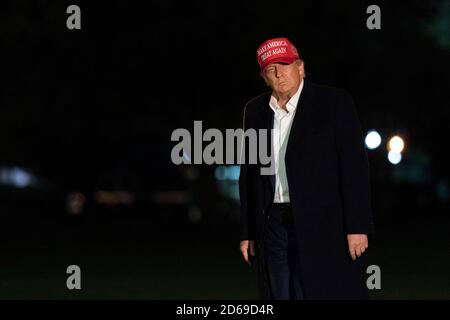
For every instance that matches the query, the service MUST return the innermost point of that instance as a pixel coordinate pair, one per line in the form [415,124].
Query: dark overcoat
[328,176]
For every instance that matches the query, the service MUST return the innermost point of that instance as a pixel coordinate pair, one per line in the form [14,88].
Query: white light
[16,177]
[396,144]
[227,173]
[372,140]
[233,173]
[394,157]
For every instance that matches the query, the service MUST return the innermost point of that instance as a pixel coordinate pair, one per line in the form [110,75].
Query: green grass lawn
[141,264]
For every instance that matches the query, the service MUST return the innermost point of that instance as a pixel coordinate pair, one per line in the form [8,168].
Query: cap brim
[287,60]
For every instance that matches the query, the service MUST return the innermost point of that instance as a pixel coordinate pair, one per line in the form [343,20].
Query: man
[306,227]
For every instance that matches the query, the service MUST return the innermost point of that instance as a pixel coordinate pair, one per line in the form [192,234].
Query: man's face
[284,78]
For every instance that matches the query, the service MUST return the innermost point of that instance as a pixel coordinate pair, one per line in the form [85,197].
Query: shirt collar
[291,104]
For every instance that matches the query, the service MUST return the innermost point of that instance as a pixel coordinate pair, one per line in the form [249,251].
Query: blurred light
[219,173]
[396,144]
[20,178]
[16,177]
[227,181]
[394,157]
[75,203]
[171,197]
[373,139]
[114,198]
[227,173]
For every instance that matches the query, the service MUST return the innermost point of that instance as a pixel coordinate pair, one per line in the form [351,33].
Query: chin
[283,88]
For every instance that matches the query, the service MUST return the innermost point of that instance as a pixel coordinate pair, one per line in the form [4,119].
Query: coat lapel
[299,125]
[301,119]
[270,123]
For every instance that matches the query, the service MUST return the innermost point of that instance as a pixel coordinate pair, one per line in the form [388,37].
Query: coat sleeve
[353,169]
[246,192]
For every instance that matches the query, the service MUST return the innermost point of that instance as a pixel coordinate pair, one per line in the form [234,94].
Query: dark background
[87,113]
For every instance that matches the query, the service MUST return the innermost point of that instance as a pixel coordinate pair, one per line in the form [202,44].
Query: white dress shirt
[282,127]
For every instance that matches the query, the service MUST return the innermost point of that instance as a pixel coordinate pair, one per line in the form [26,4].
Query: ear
[301,68]
[265,80]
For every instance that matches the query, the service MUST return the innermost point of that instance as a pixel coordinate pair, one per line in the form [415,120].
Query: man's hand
[357,244]
[245,247]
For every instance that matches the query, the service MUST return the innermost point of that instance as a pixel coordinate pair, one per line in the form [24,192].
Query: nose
[277,72]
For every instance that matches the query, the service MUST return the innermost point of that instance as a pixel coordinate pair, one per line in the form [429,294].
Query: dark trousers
[281,255]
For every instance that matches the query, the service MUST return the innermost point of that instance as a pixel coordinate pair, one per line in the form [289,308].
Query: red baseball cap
[276,50]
